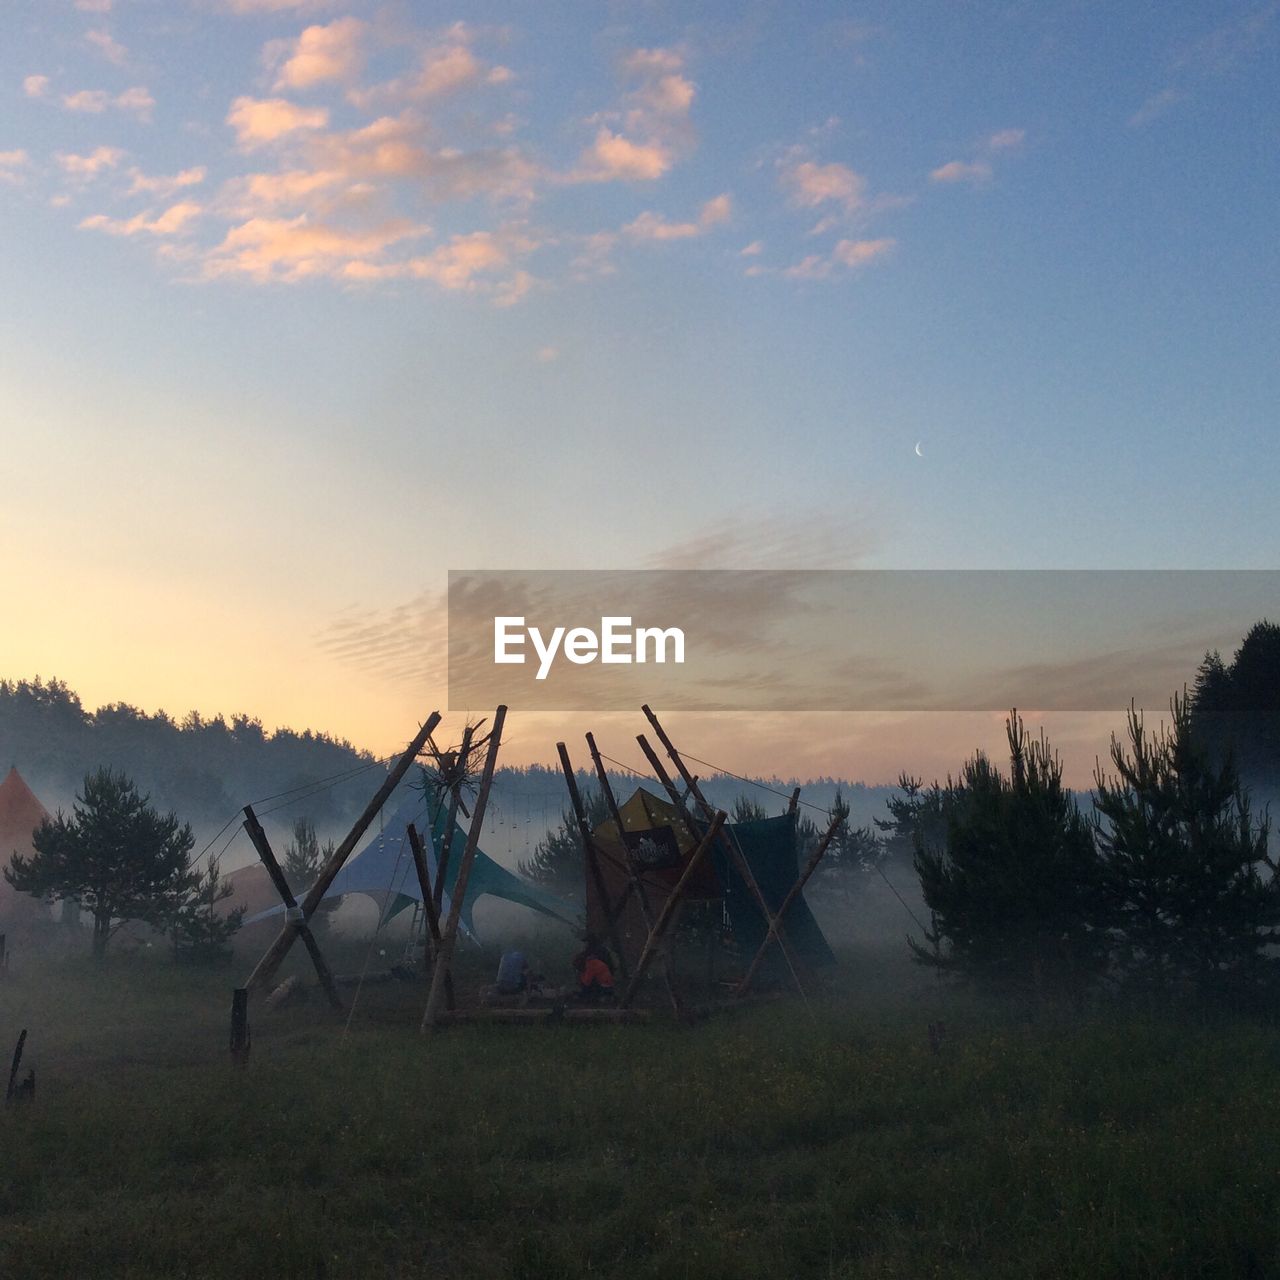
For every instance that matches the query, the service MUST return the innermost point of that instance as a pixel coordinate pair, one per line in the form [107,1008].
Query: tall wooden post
[258,838]
[455,800]
[633,871]
[449,934]
[730,846]
[669,908]
[428,905]
[592,857]
[270,962]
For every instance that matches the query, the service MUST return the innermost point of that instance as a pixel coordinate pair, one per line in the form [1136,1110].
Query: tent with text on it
[660,839]
[383,870]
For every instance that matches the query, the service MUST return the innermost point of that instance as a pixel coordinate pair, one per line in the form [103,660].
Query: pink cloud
[294,249]
[171,222]
[260,120]
[612,157]
[324,53]
[811,184]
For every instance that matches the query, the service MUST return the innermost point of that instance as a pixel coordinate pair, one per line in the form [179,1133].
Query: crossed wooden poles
[442,936]
[716,831]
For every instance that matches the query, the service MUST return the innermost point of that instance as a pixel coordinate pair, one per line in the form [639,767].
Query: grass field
[781,1142]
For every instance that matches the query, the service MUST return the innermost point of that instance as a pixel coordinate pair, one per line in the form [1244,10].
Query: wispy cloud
[108,47]
[810,184]
[13,166]
[846,255]
[294,249]
[171,221]
[962,171]
[95,101]
[653,226]
[97,161]
[36,86]
[162,186]
[1153,108]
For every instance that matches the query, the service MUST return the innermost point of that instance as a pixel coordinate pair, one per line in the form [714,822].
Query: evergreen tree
[1235,708]
[1195,899]
[558,861]
[917,816]
[304,857]
[1015,889]
[200,933]
[747,809]
[115,856]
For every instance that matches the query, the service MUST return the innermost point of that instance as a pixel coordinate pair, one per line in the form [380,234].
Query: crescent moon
[919,450]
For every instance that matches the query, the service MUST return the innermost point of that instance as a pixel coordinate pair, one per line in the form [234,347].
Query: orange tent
[20,814]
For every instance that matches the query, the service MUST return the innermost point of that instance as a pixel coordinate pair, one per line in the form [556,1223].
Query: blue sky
[307,303]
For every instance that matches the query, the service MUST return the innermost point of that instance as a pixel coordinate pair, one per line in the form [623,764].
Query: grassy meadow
[782,1141]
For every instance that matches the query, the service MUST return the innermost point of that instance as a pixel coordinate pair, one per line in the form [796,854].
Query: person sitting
[513,973]
[594,966]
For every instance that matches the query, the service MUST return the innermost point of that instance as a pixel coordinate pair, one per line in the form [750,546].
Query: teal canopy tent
[383,870]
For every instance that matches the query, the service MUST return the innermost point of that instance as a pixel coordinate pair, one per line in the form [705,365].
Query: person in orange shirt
[594,966]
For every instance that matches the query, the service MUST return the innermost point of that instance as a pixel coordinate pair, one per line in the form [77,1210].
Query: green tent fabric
[769,847]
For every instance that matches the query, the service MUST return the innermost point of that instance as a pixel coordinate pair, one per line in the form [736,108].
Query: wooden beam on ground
[592,857]
[736,856]
[669,908]
[276,953]
[633,873]
[449,934]
[258,838]
[428,905]
[792,894]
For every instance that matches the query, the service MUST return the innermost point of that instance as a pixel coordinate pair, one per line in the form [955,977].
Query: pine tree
[1194,897]
[115,856]
[1015,888]
[200,933]
[558,860]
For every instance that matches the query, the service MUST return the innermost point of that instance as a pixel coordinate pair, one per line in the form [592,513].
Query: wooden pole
[428,905]
[240,1026]
[637,883]
[730,846]
[667,914]
[270,962]
[592,857]
[448,936]
[258,837]
[809,868]
[794,802]
[455,802]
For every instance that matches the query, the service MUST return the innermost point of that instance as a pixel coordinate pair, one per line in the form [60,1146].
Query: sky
[308,303]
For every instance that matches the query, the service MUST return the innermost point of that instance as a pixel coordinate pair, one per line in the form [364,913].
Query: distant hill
[206,769]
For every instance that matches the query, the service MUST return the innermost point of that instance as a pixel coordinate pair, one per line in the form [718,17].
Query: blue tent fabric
[384,871]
